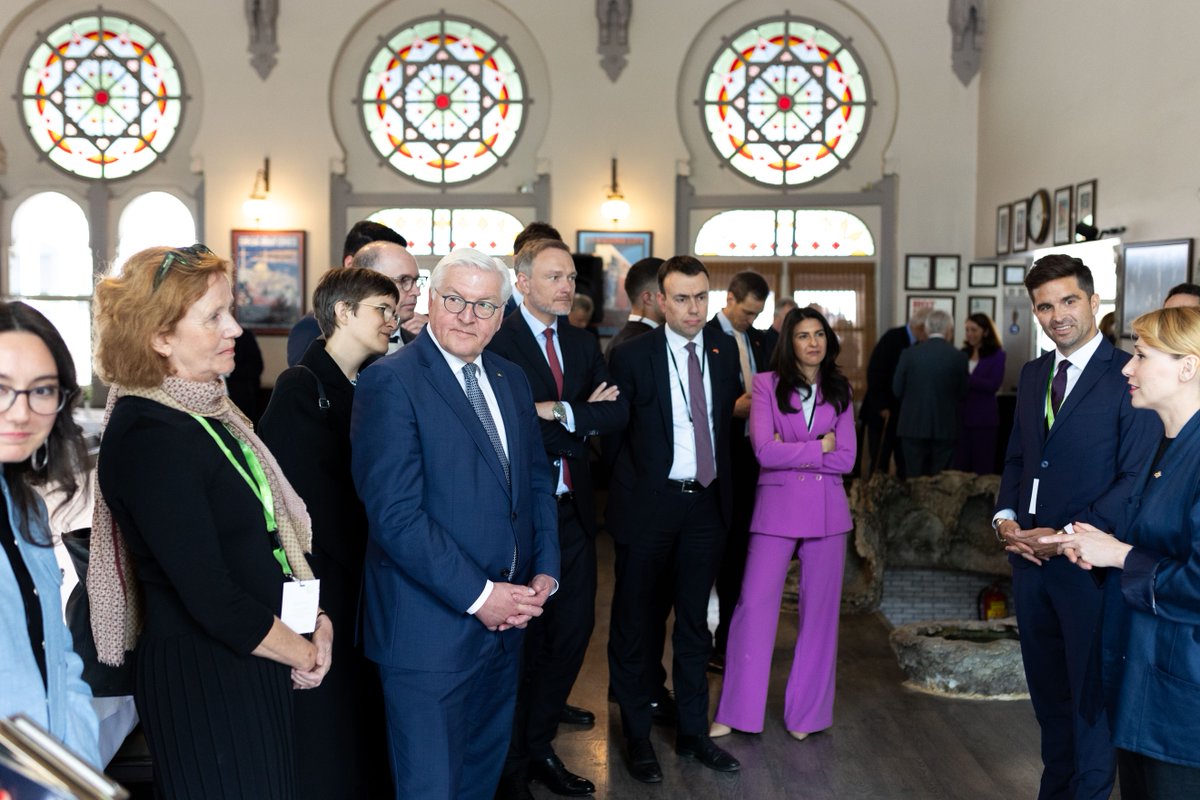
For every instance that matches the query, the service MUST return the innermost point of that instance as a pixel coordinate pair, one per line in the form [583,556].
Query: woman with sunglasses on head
[196,538]
[802,431]
[341,737]
[1150,641]
[40,446]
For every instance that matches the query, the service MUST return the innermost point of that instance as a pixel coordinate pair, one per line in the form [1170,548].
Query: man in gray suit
[931,379]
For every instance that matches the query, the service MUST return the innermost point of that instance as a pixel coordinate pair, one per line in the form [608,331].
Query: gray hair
[468,257]
[938,322]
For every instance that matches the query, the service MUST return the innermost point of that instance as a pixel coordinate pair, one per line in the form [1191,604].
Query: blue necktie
[475,395]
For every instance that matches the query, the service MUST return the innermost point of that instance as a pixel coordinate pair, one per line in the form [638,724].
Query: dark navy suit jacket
[442,517]
[1087,463]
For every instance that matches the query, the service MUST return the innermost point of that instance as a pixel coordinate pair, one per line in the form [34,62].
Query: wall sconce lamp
[615,207]
[258,206]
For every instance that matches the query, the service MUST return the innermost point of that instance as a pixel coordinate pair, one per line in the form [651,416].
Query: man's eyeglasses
[180,254]
[482,309]
[45,400]
[406,282]
[388,313]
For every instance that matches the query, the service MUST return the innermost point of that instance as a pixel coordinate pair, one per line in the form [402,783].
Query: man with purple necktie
[669,510]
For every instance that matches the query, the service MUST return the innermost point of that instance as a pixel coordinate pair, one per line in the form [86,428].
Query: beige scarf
[115,597]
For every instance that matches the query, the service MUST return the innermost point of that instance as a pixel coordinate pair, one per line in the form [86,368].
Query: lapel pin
[1158,474]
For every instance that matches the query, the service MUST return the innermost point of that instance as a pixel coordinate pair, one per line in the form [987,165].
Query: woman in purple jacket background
[980,415]
[802,431]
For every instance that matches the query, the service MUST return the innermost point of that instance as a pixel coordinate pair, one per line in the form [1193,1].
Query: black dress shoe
[513,787]
[663,710]
[703,750]
[574,715]
[558,778]
[643,764]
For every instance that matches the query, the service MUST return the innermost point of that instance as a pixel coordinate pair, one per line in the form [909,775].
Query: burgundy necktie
[706,469]
[556,371]
[1058,387]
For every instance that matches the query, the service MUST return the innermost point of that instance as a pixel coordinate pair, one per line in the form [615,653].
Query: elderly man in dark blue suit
[1077,445]
[463,543]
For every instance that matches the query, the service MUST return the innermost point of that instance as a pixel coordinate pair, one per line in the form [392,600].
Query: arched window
[785,101]
[784,232]
[101,96]
[443,100]
[437,231]
[50,267]
[151,219]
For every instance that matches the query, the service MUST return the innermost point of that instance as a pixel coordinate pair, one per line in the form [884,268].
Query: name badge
[301,600]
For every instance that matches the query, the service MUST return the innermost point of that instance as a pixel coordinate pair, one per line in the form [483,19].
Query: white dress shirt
[683,465]
[539,329]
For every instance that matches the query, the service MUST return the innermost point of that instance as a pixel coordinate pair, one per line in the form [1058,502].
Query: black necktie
[1058,387]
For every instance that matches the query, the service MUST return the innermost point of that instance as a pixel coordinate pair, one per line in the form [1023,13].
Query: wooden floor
[886,741]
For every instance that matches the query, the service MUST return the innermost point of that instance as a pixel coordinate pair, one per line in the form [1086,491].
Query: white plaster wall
[591,119]
[1079,89]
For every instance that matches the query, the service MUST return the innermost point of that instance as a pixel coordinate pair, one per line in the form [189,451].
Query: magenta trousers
[808,703]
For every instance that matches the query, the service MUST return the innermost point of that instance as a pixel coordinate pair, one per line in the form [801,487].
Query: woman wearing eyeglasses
[341,738]
[40,446]
[197,537]
[1150,641]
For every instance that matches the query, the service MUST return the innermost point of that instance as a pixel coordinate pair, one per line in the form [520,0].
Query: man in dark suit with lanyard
[744,301]
[668,510]
[574,401]
[1076,447]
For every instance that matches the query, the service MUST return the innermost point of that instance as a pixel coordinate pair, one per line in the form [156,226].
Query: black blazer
[583,370]
[632,330]
[737,428]
[643,458]
[881,369]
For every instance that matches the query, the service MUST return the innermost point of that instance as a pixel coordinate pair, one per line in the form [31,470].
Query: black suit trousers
[555,645]
[679,540]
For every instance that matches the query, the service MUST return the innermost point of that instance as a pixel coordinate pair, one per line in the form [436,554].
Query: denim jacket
[64,704]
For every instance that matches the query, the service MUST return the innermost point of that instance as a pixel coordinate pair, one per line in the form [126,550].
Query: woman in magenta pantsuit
[802,430]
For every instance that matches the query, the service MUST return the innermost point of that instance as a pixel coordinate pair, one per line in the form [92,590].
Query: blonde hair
[1170,330]
[130,309]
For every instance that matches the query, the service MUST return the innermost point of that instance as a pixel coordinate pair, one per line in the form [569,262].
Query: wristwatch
[559,411]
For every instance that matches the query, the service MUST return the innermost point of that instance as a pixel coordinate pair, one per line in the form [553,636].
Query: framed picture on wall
[979,304]
[268,279]
[1019,226]
[1014,274]
[931,302]
[1085,203]
[983,274]
[618,251]
[945,273]
[918,272]
[1063,226]
[1003,229]
[1146,272]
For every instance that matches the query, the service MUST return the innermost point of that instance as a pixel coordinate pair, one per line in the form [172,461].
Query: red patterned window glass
[437,231]
[102,96]
[784,232]
[785,101]
[443,100]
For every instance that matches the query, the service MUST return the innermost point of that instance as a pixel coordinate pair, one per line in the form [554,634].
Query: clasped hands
[322,639]
[1086,548]
[511,605]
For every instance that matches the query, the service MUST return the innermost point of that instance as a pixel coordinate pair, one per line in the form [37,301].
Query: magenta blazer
[800,493]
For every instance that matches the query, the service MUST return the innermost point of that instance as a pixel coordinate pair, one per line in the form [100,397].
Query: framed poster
[1003,229]
[618,250]
[268,279]
[1020,226]
[980,304]
[1146,272]
[983,275]
[918,272]
[1014,274]
[1064,228]
[945,273]
[932,302]
[1085,203]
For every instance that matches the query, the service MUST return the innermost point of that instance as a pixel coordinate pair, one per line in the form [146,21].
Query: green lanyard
[1049,405]
[258,484]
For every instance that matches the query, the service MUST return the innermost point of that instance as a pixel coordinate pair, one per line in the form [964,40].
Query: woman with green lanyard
[198,540]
